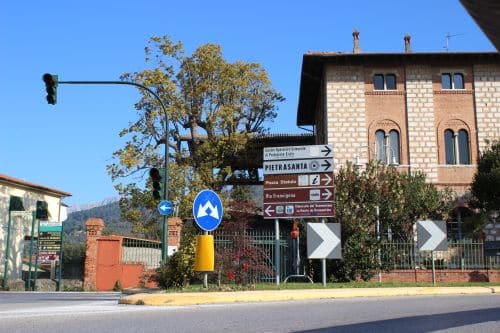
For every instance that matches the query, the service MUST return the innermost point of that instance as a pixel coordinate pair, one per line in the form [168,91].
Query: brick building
[426,111]
[430,112]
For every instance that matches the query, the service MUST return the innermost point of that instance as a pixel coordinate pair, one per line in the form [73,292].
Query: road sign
[298,166]
[207,210]
[298,180]
[297,152]
[298,195]
[431,236]
[298,210]
[49,241]
[165,207]
[323,241]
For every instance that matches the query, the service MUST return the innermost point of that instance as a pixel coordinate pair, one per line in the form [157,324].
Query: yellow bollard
[204,259]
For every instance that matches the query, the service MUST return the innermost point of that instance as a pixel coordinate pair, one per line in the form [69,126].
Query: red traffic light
[48,79]
[155,175]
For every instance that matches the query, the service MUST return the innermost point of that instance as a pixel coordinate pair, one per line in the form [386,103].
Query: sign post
[298,183]
[431,236]
[207,212]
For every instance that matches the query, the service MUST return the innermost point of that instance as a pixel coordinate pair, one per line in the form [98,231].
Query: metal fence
[145,251]
[265,241]
[465,254]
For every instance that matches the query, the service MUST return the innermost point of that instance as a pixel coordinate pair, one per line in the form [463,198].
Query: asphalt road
[479,313]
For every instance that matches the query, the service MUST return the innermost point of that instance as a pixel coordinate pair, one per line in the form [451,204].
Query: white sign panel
[297,152]
[298,166]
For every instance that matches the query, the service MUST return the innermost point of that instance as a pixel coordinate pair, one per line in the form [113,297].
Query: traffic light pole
[164,241]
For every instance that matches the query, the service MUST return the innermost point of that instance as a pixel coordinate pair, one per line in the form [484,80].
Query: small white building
[18,201]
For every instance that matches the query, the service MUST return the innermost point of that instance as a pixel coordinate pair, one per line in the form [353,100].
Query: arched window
[394,144]
[449,146]
[380,146]
[458,81]
[463,147]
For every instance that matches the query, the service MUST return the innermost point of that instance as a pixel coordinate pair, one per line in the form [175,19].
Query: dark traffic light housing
[157,178]
[51,87]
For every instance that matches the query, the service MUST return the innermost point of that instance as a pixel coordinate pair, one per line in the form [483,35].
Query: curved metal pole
[164,249]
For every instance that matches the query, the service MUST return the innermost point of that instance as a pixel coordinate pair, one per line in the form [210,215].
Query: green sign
[49,241]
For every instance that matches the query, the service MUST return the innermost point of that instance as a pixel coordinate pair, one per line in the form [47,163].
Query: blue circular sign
[207,210]
[165,207]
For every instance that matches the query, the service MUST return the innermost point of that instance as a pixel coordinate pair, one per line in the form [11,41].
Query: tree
[401,199]
[214,107]
[486,183]
[240,260]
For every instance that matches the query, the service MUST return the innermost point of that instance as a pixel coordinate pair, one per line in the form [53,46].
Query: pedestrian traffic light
[158,177]
[51,87]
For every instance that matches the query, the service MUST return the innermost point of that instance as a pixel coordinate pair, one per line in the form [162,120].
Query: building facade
[430,112]
[18,200]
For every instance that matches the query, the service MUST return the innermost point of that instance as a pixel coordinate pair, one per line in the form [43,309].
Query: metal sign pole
[205,275]
[323,264]
[6,254]
[32,236]
[433,270]
[277,257]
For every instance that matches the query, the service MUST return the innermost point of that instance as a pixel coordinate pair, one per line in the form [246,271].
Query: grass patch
[295,285]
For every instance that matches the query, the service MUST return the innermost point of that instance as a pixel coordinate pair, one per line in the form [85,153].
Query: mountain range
[74,226]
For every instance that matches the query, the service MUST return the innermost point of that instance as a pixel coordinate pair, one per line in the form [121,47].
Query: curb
[199,298]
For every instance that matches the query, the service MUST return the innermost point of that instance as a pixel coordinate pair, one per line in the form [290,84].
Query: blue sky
[67,146]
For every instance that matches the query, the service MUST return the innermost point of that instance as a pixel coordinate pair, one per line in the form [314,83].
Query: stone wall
[487,101]
[421,123]
[346,112]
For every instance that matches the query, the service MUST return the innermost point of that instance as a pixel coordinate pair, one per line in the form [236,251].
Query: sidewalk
[197,298]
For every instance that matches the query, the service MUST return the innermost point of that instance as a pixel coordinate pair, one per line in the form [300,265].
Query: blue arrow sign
[207,210]
[165,207]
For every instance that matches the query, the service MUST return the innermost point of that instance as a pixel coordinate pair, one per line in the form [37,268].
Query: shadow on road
[418,324]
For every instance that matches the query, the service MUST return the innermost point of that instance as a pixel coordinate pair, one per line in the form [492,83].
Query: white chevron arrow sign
[323,241]
[432,236]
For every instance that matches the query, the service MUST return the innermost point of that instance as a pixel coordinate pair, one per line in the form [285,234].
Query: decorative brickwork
[487,101]
[346,112]
[94,227]
[421,123]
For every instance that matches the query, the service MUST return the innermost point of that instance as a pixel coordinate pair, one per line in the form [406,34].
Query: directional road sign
[298,180]
[298,166]
[298,210]
[165,207]
[297,152]
[431,236]
[323,241]
[298,195]
[207,210]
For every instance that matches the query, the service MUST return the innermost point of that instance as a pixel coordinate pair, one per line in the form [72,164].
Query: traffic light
[157,177]
[42,210]
[51,87]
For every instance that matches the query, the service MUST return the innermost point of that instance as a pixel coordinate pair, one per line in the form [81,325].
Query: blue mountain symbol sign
[207,210]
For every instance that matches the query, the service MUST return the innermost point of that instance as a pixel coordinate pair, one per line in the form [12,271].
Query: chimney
[407,43]
[355,36]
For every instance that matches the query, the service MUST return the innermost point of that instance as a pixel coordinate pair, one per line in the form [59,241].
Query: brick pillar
[94,227]
[174,231]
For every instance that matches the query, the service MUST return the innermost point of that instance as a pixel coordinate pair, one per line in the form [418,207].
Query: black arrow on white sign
[326,164]
[326,150]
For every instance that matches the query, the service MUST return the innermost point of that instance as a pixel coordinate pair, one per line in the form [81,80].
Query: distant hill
[74,226]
